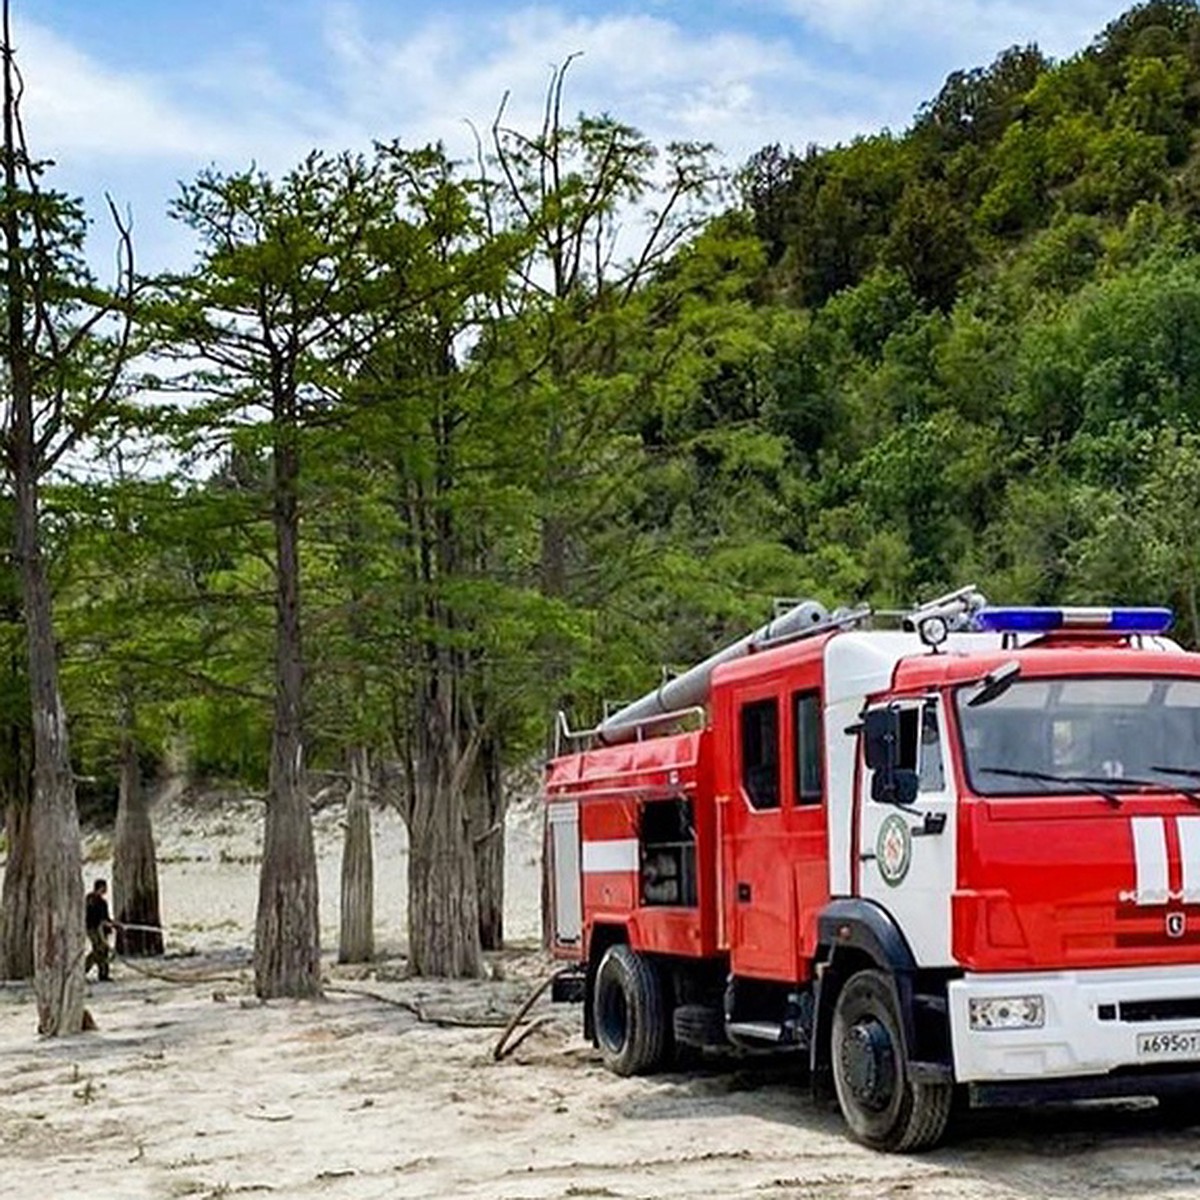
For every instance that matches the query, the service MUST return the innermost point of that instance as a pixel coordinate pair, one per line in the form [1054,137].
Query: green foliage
[967,351]
[975,107]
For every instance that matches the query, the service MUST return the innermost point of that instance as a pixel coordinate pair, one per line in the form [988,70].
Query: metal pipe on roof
[690,689]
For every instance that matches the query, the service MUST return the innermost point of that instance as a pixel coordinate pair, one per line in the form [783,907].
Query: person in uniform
[98,922]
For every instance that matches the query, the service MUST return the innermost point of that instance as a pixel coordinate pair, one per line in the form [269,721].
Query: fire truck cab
[956,861]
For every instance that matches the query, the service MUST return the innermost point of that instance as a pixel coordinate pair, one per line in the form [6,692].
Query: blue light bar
[1098,620]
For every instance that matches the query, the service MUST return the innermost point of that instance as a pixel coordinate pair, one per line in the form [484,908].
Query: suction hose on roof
[691,688]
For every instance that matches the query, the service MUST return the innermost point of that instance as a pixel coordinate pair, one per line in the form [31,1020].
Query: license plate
[1185,1044]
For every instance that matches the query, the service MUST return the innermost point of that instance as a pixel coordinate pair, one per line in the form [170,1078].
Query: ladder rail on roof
[565,735]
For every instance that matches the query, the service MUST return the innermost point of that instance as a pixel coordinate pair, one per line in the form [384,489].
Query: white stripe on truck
[1150,860]
[619,855]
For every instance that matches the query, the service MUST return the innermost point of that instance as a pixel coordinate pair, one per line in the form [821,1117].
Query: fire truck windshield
[1120,734]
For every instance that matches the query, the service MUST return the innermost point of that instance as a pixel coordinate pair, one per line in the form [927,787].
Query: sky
[131,96]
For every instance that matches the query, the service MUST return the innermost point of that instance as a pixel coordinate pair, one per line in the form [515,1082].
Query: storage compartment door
[564,872]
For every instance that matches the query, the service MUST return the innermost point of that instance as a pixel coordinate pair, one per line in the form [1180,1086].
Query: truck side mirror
[890,783]
[881,738]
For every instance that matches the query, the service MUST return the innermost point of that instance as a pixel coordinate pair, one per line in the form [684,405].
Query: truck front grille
[1181,1009]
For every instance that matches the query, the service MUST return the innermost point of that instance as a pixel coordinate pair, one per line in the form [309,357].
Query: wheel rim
[612,1017]
[868,1061]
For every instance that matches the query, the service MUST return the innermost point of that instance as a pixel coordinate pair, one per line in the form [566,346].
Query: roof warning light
[1050,620]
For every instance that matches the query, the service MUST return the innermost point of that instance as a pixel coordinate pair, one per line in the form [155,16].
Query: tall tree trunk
[555,539]
[287,941]
[488,807]
[443,907]
[357,940]
[16,904]
[135,867]
[443,902]
[356,936]
[58,938]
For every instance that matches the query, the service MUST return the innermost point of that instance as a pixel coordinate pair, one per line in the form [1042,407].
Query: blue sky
[130,96]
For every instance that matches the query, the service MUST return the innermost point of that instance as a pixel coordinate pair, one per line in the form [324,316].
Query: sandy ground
[387,1088]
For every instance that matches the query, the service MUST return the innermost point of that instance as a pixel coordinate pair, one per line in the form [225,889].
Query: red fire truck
[955,860]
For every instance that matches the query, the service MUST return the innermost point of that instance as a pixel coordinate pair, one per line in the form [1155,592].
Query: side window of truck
[806,738]
[932,769]
[760,752]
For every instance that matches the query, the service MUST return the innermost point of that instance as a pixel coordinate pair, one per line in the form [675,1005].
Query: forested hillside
[453,445]
[985,359]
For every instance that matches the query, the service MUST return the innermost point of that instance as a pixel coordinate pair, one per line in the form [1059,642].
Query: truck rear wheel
[883,1106]
[632,1021]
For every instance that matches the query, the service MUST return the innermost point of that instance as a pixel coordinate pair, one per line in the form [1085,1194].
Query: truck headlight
[1007,1012]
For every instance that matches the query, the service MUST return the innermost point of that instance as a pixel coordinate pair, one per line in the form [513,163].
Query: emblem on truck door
[893,849]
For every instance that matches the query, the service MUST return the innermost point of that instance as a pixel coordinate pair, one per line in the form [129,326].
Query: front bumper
[1090,1039]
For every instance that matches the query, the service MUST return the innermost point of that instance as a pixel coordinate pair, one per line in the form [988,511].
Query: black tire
[699,1025]
[632,1020]
[884,1108]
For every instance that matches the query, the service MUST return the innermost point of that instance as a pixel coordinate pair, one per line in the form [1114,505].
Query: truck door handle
[743,893]
[931,826]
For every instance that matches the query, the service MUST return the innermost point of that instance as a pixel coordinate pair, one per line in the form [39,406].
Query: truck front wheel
[884,1107]
[632,1021]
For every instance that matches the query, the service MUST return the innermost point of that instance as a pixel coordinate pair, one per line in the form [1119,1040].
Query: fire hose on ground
[505,1044]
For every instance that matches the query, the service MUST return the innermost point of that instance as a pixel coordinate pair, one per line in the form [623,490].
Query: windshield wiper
[1103,785]
[994,684]
[1086,783]
[1190,793]
[1158,785]
[1194,772]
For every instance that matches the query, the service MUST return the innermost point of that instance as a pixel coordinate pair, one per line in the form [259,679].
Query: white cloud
[77,106]
[732,89]
[973,30]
